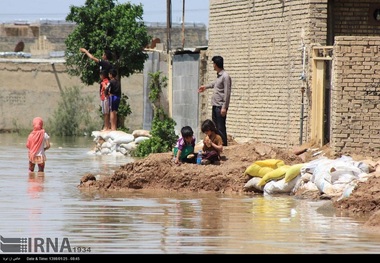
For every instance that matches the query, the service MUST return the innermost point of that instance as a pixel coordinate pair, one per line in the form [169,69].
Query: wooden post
[320,55]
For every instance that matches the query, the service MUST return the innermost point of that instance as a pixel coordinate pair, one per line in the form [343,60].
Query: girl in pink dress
[38,142]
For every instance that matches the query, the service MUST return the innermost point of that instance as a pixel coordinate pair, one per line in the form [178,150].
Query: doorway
[321,94]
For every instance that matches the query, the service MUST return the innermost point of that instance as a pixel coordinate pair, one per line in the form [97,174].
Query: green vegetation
[72,118]
[102,24]
[163,134]
[123,112]
[157,83]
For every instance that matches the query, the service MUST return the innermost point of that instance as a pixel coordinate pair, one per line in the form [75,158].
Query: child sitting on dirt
[184,149]
[212,143]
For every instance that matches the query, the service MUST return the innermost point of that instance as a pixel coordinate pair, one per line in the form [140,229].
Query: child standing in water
[38,142]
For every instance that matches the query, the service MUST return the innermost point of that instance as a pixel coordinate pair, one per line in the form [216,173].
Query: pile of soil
[158,171]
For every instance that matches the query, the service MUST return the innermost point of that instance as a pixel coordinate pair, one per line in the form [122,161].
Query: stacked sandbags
[332,177]
[272,176]
[262,172]
[111,142]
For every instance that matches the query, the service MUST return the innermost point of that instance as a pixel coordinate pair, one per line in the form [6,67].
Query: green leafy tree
[106,24]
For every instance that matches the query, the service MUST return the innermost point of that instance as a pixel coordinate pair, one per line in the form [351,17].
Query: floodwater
[51,207]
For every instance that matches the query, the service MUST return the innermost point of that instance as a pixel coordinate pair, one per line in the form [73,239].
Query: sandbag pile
[111,142]
[332,177]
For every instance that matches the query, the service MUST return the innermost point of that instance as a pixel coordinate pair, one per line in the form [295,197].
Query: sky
[196,11]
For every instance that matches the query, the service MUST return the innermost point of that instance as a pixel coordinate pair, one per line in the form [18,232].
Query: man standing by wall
[220,99]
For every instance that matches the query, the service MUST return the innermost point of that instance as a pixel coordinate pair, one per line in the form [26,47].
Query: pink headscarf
[35,138]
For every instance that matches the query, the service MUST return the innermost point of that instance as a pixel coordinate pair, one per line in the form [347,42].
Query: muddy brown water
[51,208]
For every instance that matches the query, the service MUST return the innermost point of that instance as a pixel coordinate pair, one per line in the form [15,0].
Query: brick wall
[195,34]
[356,18]
[261,42]
[356,96]
[11,34]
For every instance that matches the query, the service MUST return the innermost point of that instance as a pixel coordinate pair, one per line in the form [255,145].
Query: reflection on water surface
[50,205]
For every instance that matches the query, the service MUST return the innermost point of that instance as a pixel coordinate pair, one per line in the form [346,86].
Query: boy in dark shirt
[104,63]
[115,96]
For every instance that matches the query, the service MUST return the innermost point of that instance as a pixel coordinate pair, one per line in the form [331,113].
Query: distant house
[45,36]
[302,71]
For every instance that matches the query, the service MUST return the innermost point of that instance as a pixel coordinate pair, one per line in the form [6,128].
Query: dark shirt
[115,87]
[105,65]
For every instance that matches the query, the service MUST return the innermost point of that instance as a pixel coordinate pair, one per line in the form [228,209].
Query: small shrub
[72,117]
[163,134]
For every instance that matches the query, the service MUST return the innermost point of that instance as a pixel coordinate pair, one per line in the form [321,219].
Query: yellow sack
[272,163]
[264,170]
[252,170]
[255,170]
[276,174]
[293,172]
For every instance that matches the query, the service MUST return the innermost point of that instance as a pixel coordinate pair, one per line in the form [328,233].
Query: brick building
[301,71]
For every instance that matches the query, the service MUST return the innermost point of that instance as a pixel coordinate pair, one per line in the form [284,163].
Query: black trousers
[220,123]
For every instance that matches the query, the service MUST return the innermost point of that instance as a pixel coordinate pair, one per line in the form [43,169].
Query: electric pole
[168,24]
[183,24]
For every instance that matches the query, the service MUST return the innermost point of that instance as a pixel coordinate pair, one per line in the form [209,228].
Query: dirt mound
[364,200]
[158,171]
